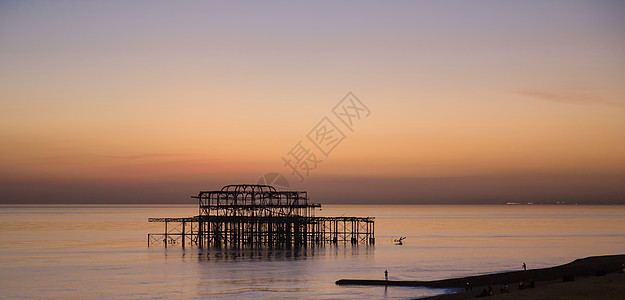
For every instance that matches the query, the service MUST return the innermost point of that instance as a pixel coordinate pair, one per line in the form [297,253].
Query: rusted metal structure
[239,216]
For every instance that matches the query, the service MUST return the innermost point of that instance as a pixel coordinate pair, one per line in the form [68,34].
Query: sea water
[100,251]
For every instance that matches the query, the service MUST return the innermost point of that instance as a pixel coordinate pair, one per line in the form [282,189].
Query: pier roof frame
[254,200]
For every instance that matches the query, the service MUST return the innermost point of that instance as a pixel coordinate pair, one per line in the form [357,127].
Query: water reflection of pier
[290,254]
[240,216]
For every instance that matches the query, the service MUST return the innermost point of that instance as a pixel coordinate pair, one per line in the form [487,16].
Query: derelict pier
[248,216]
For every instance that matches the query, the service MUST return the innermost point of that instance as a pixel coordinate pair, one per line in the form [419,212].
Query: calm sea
[101,251]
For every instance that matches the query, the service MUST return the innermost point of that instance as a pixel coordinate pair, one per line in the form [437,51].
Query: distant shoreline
[590,266]
[191,202]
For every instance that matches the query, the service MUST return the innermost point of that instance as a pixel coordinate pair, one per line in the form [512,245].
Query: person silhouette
[386,275]
[524,267]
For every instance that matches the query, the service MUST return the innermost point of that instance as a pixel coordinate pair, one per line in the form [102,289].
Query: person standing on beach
[524,267]
[386,275]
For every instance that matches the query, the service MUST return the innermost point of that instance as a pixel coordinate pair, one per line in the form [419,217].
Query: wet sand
[594,277]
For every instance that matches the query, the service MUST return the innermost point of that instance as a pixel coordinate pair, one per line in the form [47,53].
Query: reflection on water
[265,254]
[278,273]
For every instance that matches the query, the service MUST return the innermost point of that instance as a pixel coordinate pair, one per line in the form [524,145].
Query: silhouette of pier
[240,216]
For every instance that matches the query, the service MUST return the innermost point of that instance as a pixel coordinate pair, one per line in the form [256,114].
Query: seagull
[398,241]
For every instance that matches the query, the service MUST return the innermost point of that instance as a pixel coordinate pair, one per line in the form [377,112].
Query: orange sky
[175,98]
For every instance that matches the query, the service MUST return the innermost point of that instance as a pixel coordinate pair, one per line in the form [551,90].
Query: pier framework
[239,216]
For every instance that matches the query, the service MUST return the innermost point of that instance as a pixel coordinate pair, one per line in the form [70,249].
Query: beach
[610,286]
[597,277]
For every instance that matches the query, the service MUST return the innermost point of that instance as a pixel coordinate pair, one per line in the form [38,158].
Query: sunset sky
[470,101]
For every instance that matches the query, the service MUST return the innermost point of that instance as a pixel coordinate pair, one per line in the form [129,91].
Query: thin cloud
[81,155]
[567,98]
[138,156]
